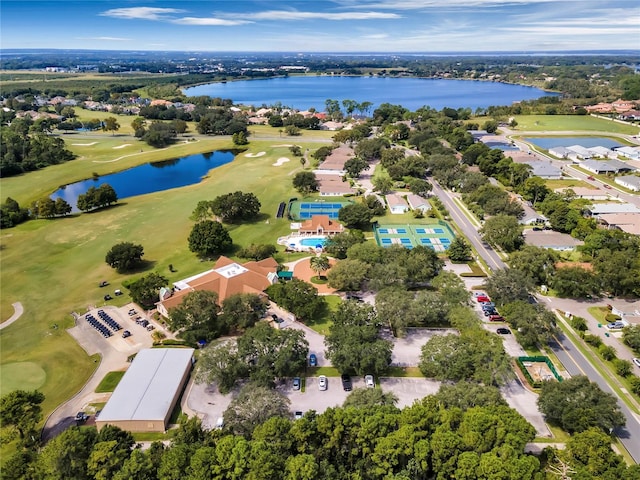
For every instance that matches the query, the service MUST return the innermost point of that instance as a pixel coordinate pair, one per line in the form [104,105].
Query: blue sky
[322,25]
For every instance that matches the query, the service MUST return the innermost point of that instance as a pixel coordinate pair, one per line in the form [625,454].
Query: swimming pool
[313,241]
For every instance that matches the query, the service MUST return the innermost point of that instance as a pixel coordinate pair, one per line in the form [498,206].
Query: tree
[234,207]
[418,186]
[257,252]
[137,467]
[254,405]
[298,297]
[355,166]
[355,215]
[305,182]
[618,271]
[106,459]
[124,256]
[319,264]
[159,134]
[337,245]
[348,275]
[66,455]
[459,250]
[138,123]
[465,395]
[198,315]
[145,291]
[369,397]
[242,310]
[110,124]
[576,404]
[533,324]
[21,410]
[209,238]
[221,363]
[382,183]
[475,356]
[508,285]
[589,455]
[537,263]
[353,345]
[393,306]
[377,208]
[240,138]
[574,282]
[631,337]
[503,231]
[62,207]
[534,190]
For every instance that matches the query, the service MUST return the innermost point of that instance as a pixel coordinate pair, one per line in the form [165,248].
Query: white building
[396,203]
[560,152]
[630,152]
[416,202]
[629,181]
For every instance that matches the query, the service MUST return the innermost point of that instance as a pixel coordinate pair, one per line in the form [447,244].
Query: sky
[422,26]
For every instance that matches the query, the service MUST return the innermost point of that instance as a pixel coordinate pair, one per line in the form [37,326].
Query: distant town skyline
[323,26]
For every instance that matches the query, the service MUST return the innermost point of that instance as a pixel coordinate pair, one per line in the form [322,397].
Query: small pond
[586,142]
[151,177]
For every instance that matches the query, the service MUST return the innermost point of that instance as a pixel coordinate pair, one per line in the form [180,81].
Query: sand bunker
[284,145]
[254,155]
[281,161]
[121,146]
[84,144]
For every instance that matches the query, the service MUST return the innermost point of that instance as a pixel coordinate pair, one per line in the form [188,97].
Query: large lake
[150,177]
[303,93]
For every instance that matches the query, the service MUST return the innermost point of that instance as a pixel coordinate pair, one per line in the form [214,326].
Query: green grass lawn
[322,323]
[21,375]
[54,266]
[560,123]
[110,382]
[567,183]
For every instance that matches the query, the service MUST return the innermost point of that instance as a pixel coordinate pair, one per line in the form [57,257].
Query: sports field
[437,236]
[304,210]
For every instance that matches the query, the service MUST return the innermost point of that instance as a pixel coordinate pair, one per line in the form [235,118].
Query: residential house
[627,222]
[630,152]
[331,184]
[320,225]
[226,278]
[545,170]
[531,217]
[396,203]
[606,166]
[331,125]
[627,310]
[604,208]
[629,181]
[601,152]
[551,240]
[416,202]
[630,115]
[579,152]
[337,158]
[586,193]
[560,152]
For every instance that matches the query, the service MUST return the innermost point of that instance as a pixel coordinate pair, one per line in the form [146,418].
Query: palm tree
[319,264]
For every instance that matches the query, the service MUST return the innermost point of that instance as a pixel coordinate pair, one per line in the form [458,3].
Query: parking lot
[406,351]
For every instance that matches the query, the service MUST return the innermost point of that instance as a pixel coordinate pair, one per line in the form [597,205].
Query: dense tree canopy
[94,198]
[503,231]
[21,410]
[305,182]
[209,238]
[146,290]
[236,206]
[576,404]
[298,297]
[197,316]
[124,256]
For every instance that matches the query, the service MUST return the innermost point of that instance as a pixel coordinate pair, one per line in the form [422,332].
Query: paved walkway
[302,270]
[17,312]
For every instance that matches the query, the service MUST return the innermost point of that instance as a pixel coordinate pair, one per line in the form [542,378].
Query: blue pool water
[313,242]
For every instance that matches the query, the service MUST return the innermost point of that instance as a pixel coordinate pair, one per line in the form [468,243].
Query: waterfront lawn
[566,123]
[54,266]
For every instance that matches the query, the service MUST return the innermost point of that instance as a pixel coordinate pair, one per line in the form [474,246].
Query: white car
[322,383]
[369,382]
[637,361]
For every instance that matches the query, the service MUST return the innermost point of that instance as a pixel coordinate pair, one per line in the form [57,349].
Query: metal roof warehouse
[148,392]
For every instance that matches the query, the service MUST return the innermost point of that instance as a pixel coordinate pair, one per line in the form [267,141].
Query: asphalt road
[574,362]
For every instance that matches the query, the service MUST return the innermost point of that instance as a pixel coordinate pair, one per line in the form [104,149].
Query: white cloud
[141,13]
[297,15]
[209,21]
[106,39]
[421,4]
[376,36]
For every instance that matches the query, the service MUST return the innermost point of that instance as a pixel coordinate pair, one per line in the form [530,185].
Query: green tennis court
[437,236]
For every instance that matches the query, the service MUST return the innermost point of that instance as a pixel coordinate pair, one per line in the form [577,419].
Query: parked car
[81,417]
[369,381]
[590,177]
[607,185]
[118,293]
[126,334]
[615,325]
[488,313]
[104,283]
[322,383]
[296,383]
[503,331]
[313,360]
[637,361]
[479,294]
[107,297]
[483,299]
[298,415]
[496,318]
[346,382]
[220,422]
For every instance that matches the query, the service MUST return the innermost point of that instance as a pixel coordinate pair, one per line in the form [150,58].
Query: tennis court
[303,210]
[436,236]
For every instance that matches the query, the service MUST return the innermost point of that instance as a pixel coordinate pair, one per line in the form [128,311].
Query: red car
[483,299]
[496,318]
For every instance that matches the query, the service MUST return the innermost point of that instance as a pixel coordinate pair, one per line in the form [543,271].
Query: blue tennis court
[438,230]
[437,236]
[386,241]
[300,210]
